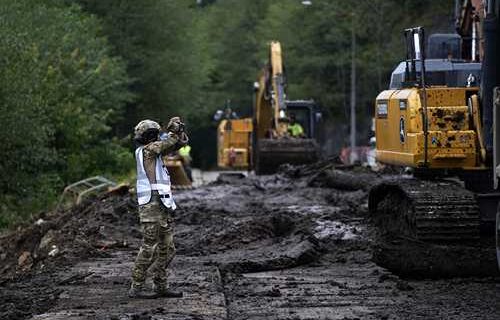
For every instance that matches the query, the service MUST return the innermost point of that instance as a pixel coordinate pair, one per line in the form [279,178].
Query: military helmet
[145,125]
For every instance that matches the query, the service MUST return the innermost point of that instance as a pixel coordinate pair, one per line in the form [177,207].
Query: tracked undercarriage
[430,228]
[431,211]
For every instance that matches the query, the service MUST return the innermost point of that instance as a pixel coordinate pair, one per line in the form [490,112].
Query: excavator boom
[272,143]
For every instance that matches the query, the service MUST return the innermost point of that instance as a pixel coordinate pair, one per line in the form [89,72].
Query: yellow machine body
[270,97]
[234,143]
[178,176]
[452,136]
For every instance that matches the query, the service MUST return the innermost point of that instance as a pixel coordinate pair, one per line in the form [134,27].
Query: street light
[306,2]
[354,152]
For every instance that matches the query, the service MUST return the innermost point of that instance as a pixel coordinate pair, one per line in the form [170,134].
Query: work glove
[175,125]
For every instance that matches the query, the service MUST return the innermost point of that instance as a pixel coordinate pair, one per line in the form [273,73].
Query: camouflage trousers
[157,249]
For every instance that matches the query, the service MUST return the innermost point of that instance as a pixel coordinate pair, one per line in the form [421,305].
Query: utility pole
[354,155]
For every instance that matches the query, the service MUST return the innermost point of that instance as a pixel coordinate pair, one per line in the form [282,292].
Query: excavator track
[438,211]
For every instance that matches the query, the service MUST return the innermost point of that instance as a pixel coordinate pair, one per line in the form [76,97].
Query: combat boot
[138,292]
[163,291]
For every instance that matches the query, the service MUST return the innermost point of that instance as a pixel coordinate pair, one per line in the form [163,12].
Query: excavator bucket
[271,153]
[178,176]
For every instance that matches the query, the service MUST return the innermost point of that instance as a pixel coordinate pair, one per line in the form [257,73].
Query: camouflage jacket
[155,211]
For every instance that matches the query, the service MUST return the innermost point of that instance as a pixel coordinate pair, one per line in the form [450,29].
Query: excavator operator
[185,154]
[294,128]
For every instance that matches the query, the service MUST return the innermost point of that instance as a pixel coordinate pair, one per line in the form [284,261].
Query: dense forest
[76,75]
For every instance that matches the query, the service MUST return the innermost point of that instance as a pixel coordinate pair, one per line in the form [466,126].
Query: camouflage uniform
[157,249]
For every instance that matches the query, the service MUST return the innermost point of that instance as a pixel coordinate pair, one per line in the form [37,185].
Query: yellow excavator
[440,117]
[272,145]
[263,142]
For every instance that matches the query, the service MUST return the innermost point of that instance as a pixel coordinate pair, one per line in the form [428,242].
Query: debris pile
[59,238]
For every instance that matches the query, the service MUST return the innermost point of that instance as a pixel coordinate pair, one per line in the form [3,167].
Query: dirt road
[273,247]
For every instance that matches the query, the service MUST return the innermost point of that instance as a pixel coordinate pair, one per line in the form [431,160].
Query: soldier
[156,206]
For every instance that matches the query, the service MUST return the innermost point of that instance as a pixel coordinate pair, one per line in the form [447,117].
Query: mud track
[290,246]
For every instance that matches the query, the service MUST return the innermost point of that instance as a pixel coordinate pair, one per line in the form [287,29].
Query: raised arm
[175,140]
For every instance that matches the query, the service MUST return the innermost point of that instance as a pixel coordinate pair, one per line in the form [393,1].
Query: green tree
[60,92]
[156,40]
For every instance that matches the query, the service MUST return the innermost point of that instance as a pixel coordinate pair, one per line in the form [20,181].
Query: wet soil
[297,245]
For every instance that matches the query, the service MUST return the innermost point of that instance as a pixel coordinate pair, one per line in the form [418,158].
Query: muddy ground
[297,245]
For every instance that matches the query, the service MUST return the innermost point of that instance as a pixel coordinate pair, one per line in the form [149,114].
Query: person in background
[185,154]
[294,128]
[227,114]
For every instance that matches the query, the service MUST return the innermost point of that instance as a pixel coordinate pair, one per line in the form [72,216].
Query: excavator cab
[307,115]
[271,152]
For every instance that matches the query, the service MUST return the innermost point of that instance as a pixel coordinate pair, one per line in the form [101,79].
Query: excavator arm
[270,105]
[272,144]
